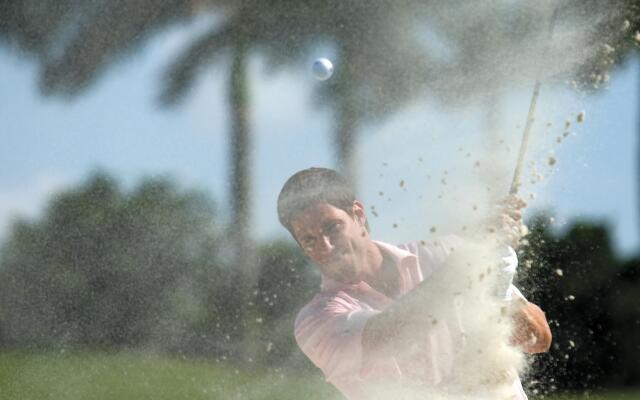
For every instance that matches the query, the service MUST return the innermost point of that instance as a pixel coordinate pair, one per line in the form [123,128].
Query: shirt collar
[401,258]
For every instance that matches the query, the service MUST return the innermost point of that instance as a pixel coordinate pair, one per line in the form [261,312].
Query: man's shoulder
[316,304]
[328,303]
[437,247]
[313,307]
[433,242]
[315,314]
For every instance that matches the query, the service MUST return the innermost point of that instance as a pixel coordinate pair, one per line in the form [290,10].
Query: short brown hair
[312,186]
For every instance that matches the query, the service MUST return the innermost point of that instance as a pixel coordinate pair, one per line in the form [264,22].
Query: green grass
[138,376]
[595,396]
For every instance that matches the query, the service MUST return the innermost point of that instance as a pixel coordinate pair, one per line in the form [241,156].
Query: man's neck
[383,274]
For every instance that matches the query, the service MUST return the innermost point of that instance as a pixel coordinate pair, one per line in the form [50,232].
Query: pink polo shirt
[329,328]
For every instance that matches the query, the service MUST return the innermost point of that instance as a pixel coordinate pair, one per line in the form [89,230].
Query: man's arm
[384,332]
[531,330]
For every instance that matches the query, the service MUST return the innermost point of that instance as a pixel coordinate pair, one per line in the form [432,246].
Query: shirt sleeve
[438,252]
[504,284]
[510,265]
[329,332]
[514,293]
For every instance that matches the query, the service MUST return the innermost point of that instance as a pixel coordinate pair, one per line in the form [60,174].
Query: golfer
[363,325]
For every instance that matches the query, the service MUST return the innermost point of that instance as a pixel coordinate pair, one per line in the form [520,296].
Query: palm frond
[107,31]
[181,75]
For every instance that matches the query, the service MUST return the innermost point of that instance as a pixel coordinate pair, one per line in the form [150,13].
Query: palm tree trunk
[240,162]
[244,253]
[346,138]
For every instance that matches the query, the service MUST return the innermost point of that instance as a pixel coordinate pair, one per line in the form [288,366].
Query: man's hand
[507,220]
[531,331]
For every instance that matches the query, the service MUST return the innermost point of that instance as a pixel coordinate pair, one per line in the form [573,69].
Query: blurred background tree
[388,53]
[396,52]
[147,268]
[590,296]
[106,268]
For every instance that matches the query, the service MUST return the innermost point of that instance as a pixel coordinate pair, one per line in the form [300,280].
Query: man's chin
[347,279]
[344,278]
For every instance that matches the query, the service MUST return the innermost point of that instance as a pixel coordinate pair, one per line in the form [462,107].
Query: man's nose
[324,244]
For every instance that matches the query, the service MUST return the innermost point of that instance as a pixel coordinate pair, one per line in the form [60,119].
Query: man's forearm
[384,331]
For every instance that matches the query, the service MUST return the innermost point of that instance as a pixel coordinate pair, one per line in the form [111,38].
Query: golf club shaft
[517,174]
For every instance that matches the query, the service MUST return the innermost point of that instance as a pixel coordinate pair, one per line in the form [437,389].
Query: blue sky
[51,143]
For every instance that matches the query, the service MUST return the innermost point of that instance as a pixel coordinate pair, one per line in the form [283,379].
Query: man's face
[335,240]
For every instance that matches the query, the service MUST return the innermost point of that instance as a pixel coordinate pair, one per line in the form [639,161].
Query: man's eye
[334,228]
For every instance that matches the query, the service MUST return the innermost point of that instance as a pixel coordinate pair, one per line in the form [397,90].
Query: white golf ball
[322,69]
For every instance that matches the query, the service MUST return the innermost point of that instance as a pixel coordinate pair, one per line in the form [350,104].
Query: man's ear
[358,212]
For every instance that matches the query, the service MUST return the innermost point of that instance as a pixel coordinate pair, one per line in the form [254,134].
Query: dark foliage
[287,282]
[104,268]
[591,299]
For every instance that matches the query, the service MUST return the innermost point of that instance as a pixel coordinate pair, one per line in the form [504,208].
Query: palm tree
[76,41]
[382,52]
[378,57]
